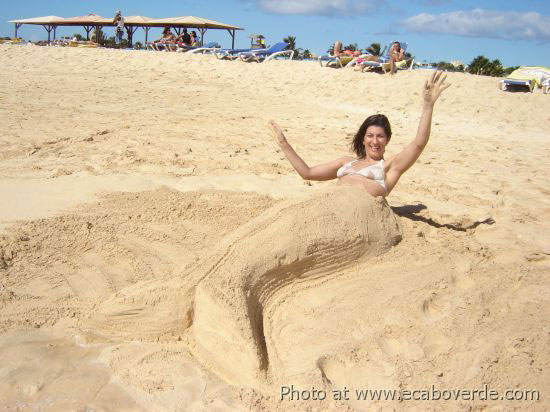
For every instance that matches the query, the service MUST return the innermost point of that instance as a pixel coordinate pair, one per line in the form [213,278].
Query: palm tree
[306,54]
[477,65]
[98,36]
[352,47]
[374,49]
[291,40]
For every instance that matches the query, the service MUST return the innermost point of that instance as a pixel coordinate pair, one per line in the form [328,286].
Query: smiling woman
[369,170]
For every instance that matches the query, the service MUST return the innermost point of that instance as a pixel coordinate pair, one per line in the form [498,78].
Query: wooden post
[130,30]
[146,35]
[203,31]
[49,30]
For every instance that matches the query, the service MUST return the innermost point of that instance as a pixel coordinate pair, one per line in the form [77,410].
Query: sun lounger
[546,86]
[162,46]
[230,54]
[336,61]
[526,78]
[263,55]
[195,49]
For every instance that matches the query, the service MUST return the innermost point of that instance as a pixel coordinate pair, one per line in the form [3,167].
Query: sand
[157,251]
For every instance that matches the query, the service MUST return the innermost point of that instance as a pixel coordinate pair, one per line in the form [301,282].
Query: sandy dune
[157,252]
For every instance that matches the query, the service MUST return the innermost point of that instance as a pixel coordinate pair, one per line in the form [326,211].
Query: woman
[228,299]
[167,38]
[370,171]
[194,38]
[298,241]
[395,55]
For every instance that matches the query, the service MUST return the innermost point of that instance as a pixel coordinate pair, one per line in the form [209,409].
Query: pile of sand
[158,251]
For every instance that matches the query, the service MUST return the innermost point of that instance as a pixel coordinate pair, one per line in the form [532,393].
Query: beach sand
[156,250]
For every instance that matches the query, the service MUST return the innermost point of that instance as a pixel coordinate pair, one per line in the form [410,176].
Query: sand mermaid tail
[294,242]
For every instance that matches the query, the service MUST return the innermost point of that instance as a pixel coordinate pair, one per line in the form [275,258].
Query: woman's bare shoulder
[347,158]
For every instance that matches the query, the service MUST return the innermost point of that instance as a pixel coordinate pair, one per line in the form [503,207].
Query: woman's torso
[360,173]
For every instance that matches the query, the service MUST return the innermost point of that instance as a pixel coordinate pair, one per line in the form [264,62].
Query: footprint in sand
[437,305]
[346,372]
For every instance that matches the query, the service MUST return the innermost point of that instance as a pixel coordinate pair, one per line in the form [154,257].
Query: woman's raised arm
[406,158]
[326,171]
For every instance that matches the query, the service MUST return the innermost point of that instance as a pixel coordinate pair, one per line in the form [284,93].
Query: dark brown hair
[357,145]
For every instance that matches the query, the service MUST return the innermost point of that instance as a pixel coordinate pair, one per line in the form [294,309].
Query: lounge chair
[263,55]
[336,61]
[384,63]
[526,78]
[199,49]
[231,54]
[546,86]
[161,46]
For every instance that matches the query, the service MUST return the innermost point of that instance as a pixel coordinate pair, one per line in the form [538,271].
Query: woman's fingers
[445,86]
[273,126]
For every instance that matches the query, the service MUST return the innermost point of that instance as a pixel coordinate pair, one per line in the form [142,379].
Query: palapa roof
[191,21]
[96,20]
[90,19]
[38,20]
[136,20]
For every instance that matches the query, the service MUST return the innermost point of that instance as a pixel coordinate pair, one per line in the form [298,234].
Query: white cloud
[321,7]
[508,25]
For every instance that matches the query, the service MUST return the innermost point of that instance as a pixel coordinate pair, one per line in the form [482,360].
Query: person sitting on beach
[184,38]
[167,37]
[338,52]
[369,170]
[395,55]
[226,300]
[194,38]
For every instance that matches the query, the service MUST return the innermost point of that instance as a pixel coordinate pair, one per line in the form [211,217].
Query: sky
[515,32]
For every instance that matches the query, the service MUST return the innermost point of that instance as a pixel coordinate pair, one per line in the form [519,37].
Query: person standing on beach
[119,30]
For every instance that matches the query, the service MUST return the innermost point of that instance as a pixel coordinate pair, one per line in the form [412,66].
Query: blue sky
[517,33]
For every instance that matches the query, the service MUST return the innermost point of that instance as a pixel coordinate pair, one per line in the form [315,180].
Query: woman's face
[375,142]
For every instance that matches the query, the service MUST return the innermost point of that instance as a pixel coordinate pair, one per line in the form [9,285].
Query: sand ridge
[136,192]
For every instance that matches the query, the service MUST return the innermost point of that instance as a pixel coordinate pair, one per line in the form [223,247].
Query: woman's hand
[277,133]
[434,87]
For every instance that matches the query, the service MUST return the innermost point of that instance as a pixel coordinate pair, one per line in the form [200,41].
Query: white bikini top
[374,171]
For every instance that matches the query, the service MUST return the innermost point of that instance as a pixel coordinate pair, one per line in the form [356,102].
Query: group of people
[395,55]
[185,38]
